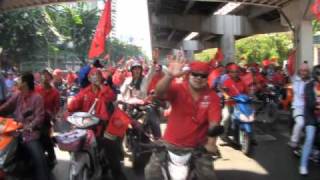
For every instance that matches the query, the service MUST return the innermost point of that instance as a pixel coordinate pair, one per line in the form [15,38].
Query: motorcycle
[268,110]
[242,120]
[87,159]
[139,133]
[14,163]
[180,165]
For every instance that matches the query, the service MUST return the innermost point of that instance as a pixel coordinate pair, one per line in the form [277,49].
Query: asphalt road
[271,160]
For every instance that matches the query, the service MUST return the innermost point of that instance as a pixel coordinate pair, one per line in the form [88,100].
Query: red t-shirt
[234,88]
[118,78]
[256,80]
[188,121]
[154,81]
[50,97]
[83,101]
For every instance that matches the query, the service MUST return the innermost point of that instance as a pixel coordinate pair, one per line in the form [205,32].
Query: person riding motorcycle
[27,107]
[51,99]
[311,117]
[298,83]
[103,96]
[135,88]
[253,80]
[195,110]
[231,86]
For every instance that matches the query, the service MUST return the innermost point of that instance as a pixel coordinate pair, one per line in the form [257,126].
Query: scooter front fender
[78,161]
[247,127]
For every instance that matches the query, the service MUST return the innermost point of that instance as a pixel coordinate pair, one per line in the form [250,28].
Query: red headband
[233,67]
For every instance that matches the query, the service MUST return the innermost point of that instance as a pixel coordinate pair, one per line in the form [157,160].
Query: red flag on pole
[291,62]
[219,55]
[102,31]
[218,58]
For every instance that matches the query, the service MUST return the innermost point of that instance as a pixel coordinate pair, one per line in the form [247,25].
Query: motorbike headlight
[245,118]
[251,117]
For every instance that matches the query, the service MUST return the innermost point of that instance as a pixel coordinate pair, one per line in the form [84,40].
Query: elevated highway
[216,23]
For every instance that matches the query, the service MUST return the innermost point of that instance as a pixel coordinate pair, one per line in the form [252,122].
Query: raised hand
[155,55]
[175,67]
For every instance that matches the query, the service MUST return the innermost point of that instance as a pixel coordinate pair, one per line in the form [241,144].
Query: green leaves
[54,34]
[260,47]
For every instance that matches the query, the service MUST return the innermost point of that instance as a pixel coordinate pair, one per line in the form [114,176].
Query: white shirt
[127,92]
[298,92]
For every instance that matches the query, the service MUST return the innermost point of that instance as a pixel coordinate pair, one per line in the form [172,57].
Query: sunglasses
[203,76]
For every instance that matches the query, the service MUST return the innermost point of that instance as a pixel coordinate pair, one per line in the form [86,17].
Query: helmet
[135,64]
[316,71]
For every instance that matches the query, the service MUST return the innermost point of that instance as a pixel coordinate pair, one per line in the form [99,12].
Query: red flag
[219,55]
[291,62]
[103,29]
[315,8]
[118,123]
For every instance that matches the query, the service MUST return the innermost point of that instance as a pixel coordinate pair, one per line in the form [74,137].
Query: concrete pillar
[227,41]
[227,44]
[189,55]
[304,43]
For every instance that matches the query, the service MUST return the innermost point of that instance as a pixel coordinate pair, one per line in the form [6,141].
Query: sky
[132,23]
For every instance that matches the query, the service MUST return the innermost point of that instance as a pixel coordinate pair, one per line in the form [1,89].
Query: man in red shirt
[51,100]
[155,79]
[231,87]
[104,96]
[253,80]
[195,110]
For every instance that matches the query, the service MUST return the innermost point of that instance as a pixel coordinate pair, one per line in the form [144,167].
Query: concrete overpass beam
[215,24]
[304,43]
[298,12]
[186,23]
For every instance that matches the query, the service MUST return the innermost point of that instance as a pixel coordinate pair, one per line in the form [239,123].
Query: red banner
[102,31]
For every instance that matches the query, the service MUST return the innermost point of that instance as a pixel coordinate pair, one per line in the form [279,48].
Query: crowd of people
[206,89]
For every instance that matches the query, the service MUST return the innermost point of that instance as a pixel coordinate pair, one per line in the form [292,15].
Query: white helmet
[135,63]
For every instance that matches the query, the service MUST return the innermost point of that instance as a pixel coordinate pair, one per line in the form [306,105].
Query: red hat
[200,66]
[233,67]
[94,71]
[266,62]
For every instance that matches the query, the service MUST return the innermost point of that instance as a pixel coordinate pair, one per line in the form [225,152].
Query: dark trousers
[153,120]
[113,154]
[46,141]
[48,146]
[36,153]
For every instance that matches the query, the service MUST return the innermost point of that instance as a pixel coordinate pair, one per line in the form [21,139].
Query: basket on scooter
[72,141]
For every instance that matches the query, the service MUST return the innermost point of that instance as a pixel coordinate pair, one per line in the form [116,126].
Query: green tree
[54,34]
